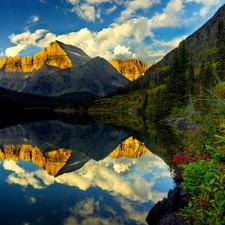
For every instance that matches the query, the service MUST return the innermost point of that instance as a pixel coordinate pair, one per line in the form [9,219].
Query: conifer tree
[190,80]
[208,77]
[220,45]
[176,82]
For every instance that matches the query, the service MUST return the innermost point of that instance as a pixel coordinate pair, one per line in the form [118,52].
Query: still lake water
[78,172]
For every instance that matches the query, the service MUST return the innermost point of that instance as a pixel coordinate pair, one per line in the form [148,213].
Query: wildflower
[179,158]
[204,202]
[181,218]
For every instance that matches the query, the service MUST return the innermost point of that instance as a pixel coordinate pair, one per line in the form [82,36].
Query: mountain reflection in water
[55,172]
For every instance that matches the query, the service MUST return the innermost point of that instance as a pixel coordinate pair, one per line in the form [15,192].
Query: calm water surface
[63,172]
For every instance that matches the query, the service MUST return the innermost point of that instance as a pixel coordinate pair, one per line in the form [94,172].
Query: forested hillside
[183,79]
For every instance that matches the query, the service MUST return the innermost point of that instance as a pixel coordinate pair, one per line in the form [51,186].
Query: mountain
[96,77]
[60,70]
[130,68]
[57,54]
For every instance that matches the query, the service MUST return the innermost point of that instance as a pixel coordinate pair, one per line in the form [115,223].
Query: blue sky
[142,29]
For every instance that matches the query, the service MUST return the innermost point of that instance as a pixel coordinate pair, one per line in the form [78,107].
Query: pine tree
[208,77]
[176,83]
[220,45]
[190,80]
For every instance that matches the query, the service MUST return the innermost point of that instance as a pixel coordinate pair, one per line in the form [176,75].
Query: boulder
[163,212]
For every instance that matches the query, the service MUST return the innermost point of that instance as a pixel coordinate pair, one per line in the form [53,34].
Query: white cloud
[12,166]
[15,50]
[121,167]
[123,52]
[85,207]
[88,211]
[133,5]
[27,38]
[169,44]
[207,5]
[123,44]
[105,174]
[93,43]
[93,214]
[20,176]
[24,40]
[128,37]
[73,2]
[94,2]
[33,19]
[110,10]
[170,17]
[86,12]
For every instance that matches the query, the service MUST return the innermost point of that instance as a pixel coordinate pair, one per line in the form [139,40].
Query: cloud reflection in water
[129,182]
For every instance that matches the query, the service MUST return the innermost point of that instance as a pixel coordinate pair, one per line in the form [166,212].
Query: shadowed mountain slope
[58,70]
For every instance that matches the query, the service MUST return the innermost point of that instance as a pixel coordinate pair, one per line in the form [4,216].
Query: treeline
[11,99]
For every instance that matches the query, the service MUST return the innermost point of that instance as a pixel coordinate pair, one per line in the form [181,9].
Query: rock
[56,54]
[170,219]
[27,64]
[155,214]
[179,123]
[163,212]
[52,55]
[130,68]
[3,62]
[178,178]
[173,199]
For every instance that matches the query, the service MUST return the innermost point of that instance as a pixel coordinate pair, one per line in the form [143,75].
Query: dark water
[56,171]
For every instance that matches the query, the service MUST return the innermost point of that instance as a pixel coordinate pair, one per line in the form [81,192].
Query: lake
[71,171]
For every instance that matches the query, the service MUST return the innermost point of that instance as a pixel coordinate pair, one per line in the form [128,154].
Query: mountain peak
[130,68]
[57,54]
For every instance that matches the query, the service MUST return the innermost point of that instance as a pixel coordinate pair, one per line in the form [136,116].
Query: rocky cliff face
[130,148]
[56,54]
[51,161]
[130,68]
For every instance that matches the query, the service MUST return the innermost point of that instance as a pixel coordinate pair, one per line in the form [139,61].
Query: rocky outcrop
[130,68]
[130,148]
[164,212]
[27,64]
[53,55]
[56,54]
[51,161]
